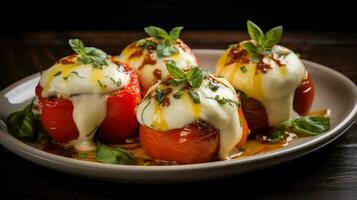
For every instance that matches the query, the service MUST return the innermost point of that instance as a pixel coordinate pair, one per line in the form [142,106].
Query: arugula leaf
[111,155]
[255,32]
[88,55]
[175,71]
[308,125]
[175,33]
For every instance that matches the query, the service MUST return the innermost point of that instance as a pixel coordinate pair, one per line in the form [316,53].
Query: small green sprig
[112,155]
[224,101]
[307,125]
[166,40]
[262,42]
[88,55]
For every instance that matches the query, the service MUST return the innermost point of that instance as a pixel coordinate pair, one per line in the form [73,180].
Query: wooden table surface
[330,173]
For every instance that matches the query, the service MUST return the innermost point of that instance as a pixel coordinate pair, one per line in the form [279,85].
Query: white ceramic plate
[333,90]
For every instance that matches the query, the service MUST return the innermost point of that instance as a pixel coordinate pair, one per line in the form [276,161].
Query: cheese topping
[272,80]
[150,67]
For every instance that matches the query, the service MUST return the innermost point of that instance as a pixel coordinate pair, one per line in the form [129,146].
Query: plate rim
[7,140]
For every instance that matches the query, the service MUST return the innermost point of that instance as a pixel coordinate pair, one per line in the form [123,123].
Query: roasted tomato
[257,117]
[304,95]
[195,143]
[119,124]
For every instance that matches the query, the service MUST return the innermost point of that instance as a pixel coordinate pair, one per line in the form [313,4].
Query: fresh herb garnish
[101,84]
[224,101]
[243,69]
[112,155]
[214,87]
[195,97]
[166,40]
[26,125]
[192,77]
[58,73]
[160,95]
[262,43]
[307,125]
[118,83]
[82,155]
[75,73]
[277,136]
[88,55]
[177,95]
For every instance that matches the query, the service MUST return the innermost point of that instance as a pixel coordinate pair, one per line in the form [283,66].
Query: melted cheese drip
[274,89]
[87,87]
[183,111]
[146,72]
[89,111]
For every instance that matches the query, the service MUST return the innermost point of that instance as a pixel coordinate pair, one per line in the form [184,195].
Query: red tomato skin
[57,120]
[304,96]
[120,122]
[185,145]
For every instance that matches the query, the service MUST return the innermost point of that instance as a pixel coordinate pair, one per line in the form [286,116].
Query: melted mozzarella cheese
[76,78]
[145,62]
[87,87]
[274,89]
[183,111]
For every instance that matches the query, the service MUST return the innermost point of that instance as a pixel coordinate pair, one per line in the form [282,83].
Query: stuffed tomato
[85,94]
[191,117]
[272,79]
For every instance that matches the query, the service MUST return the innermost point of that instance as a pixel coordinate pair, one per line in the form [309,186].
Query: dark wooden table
[330,173]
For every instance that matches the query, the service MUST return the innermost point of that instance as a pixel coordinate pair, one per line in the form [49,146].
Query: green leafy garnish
[277,136]
[214,87]
[82,155]
[58,73]
[88,55]
[177,95]
[243,69]
[25,124]
[224,101]
[112,155]
[166,40]
[307,125]
[262,43]
[160,95]
[195,97]
[194,76]
[75,73]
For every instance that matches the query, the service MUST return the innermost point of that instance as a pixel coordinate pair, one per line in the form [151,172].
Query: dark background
[65,15]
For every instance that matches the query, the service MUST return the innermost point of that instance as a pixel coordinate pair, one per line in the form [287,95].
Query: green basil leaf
[175,33]
[308,125]
[250,47]
[272,37]
[255,32]
[195,97]
[21,124]
[277,135]
[77,45]
[175,71]
[195,77]
[156,32]
[107,154]
[165,49]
